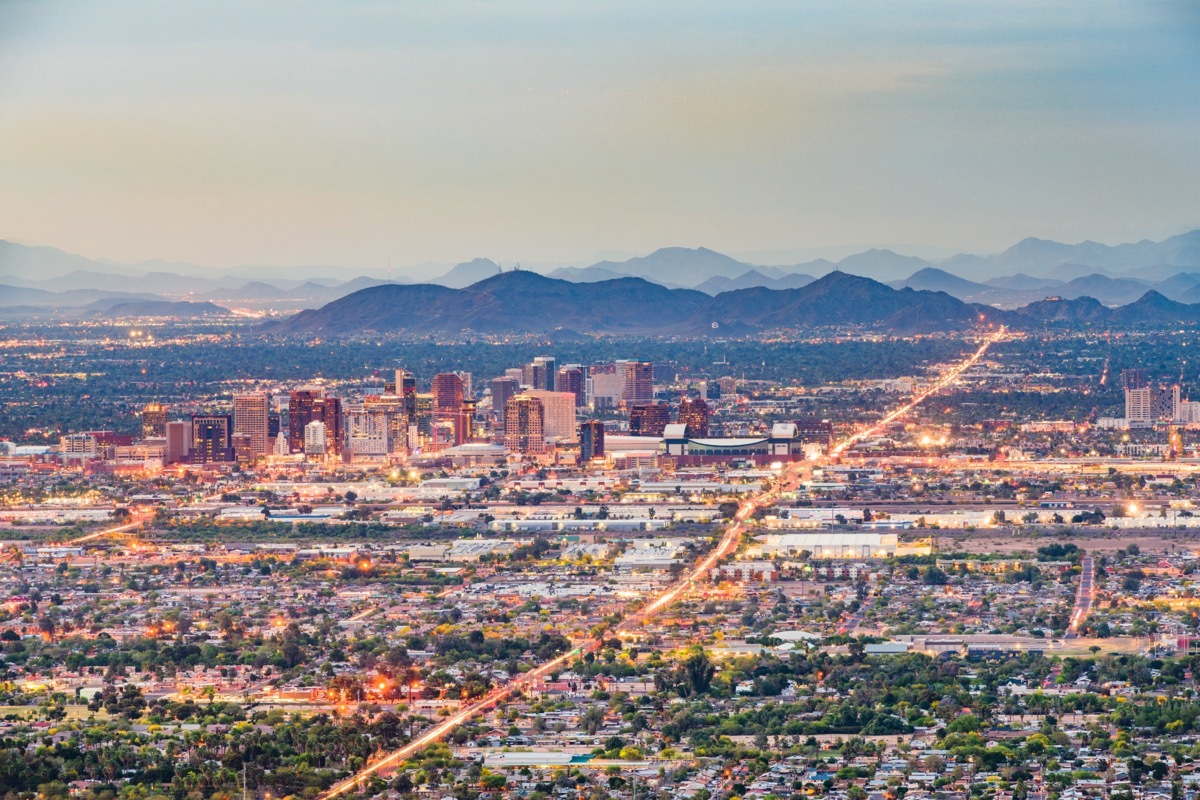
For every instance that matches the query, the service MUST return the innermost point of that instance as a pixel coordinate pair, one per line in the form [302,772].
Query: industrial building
[837,545]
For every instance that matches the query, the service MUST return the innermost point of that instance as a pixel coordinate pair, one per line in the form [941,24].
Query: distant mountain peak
[468,272]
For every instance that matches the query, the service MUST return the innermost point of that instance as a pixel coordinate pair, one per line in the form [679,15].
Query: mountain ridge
[1015,276]
[521,302]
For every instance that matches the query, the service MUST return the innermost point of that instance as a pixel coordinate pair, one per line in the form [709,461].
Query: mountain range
[35,277]
[519,302]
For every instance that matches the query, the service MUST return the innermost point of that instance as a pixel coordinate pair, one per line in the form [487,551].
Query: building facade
[302,409]
[693,412]
[591,440]
[571,379]
[649,419]
[251,420]
[540,374]
[638,380]
[212,438]
[154,420]
[524,420]
[559,414]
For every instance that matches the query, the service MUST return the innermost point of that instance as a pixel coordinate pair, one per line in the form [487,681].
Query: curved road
[725,547]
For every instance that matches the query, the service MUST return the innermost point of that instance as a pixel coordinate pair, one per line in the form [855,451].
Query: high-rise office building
[591,440]
[571,379]
[649,419]
[392,408]
[1168,403]
[448,400]
[447,393]
[367,432]
[1139,406]
[693,413]
[524,418]
[469,427]
[558,419]
[605,386]
[540,373]
[502,390]
[1145,405]
[315,438]
[212,438]
[179,441]
[330,413]
[423,415]
[638,382]
[251,417]
[406,389]
[301,411]
[154,420]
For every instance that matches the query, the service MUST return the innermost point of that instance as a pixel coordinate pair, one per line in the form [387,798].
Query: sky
[358,133]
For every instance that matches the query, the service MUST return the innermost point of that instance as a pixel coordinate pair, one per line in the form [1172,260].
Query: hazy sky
[353,132]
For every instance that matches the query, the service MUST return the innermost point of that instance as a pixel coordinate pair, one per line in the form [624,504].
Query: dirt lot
[1097,541]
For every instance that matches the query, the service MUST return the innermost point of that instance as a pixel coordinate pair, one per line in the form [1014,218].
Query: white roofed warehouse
[837,545]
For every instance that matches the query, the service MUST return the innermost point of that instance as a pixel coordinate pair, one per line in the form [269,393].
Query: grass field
[74,712]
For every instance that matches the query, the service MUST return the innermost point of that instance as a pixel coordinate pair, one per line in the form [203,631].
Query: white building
[1138,407]
[1149,404]
[314,438]
[366,433]
[1189,412]
[835,545]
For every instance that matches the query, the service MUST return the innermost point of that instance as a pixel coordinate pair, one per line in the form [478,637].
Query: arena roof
[728,442]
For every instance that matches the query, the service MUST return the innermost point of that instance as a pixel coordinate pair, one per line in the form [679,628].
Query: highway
[950,377]
[136,519]
[728,544]
[1083,596]
[439,731]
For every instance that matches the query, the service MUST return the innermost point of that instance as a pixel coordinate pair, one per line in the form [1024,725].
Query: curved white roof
[728,442]
[475,447]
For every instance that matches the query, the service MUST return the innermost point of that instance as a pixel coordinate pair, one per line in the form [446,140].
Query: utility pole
[243,780]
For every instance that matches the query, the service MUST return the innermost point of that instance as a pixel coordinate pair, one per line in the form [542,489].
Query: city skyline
[875,475]
[475,552]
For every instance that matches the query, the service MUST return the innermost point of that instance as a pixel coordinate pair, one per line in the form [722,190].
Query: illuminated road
[945,381]
[444,727]
[725,547]
[128,526]
[360,616]
[1083,596]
